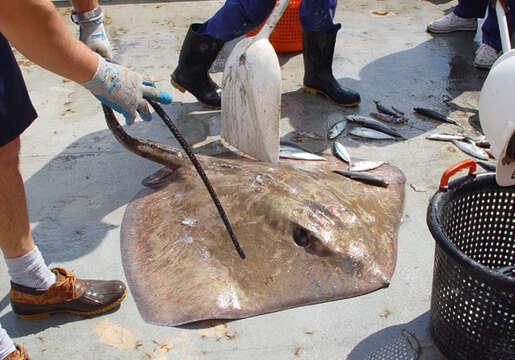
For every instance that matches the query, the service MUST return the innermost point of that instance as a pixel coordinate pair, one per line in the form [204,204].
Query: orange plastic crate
[287,35]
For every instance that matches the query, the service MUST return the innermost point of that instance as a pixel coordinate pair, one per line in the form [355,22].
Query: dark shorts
[16,110]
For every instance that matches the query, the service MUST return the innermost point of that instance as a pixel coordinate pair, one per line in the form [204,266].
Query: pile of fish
[368,128]
[362,126]
[291,150]
[373,127]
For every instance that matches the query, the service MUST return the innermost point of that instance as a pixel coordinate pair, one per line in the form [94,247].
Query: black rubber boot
[318,50]
[197,54]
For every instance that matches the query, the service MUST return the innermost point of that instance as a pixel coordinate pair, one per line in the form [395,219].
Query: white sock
[31,271]
[6,344]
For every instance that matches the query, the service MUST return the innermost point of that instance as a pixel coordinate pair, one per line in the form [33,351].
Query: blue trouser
[477,9]
[238,17]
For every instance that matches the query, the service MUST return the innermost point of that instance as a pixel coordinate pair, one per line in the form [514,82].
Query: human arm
[90,18]
[37,30]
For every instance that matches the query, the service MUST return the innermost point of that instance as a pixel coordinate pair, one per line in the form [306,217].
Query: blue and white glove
[124,90]
[92,33]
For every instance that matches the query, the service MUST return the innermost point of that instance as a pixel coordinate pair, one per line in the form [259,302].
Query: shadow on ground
[429,75]
[71,196]
[410,341]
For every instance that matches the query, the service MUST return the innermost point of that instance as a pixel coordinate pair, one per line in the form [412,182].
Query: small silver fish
[388,118]
[446,137]
[365,165]
[370,134]
[364,178]
[341,152]
[434,115]
[337,129]
[290,152]
[471,149]
[373,124]
[487,166]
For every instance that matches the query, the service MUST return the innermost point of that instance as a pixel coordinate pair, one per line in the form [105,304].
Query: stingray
[310,235]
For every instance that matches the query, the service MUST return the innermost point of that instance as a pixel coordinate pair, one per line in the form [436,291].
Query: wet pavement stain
[114,335]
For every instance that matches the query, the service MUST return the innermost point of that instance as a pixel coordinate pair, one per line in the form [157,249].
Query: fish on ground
[385,110]
[337,129]
[364,178]
[365,165]
[446,137]
[358,166]
[471,149]
[368,122]
[398,111]
[341,152]
[478,141]
[371,134]
[487,166]
[388,118]
[298,153]
[483,143]
[434,115]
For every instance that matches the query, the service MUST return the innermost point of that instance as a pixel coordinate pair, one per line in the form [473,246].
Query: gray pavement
[79,181]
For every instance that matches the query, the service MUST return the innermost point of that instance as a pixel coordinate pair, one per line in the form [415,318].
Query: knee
[257,11]
[9,154]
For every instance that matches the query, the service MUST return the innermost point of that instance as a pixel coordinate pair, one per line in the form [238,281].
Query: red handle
[471,164]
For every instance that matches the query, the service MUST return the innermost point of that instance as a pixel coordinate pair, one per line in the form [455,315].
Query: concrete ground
[79,180]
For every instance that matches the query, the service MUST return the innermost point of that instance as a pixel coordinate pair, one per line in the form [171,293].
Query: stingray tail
[148,149]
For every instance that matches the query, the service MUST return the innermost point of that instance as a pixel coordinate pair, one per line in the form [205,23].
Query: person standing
[464,18]
[235,18]
[36,29]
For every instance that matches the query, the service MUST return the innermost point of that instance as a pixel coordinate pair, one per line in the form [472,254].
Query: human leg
[34,289]
[6,344]
[204,41]
[318,40]
[468,9]
[236,18]
[15,236]
[490,28]
[491,47]
[462,18]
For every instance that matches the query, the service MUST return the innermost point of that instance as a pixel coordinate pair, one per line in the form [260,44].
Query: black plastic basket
[473,300]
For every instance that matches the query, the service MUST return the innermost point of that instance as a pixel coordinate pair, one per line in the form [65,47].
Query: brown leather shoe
[68,294]
[18,354]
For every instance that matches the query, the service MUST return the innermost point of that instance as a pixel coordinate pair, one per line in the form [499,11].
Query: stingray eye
[300,236]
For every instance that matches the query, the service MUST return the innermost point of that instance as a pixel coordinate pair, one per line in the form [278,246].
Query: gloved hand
[92,33]
[124,90]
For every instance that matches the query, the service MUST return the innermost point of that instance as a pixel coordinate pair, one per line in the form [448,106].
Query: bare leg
[84,5]
[15,236]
